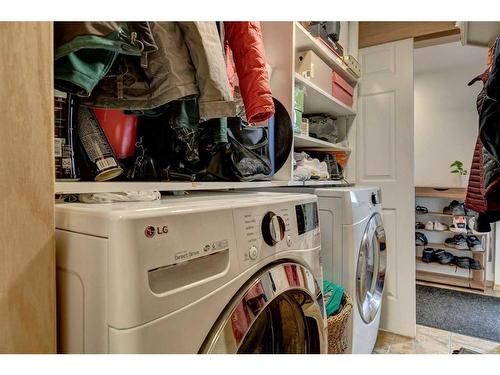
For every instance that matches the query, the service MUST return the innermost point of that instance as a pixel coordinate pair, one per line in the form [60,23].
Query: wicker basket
[337,335]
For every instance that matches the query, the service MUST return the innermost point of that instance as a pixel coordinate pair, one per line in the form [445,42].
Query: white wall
[446,120]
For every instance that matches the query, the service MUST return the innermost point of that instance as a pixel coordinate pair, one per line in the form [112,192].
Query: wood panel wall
[27,256]
[373,33]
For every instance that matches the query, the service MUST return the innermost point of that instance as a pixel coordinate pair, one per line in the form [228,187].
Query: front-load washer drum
[370,271]
[279,311]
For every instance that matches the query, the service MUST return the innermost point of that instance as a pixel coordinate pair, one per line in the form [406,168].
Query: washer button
[253,253]
[289,240]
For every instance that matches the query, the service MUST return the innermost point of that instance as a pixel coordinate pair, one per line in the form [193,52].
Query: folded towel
[332,295]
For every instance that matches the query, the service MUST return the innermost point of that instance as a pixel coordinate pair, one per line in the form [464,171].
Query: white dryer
[204,273]
[354,253]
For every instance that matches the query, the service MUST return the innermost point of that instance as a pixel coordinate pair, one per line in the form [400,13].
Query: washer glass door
[370,271]
[281,312]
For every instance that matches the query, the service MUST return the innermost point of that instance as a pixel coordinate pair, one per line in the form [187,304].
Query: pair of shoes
[458,242]
[419,225]
[459,224]
[443,257]
[455,208]
[474,243]
[421,210]
[420,239]
[467,263]
[428,255]
[436,226]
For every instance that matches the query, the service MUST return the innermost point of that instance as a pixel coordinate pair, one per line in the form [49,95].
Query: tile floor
[431,341]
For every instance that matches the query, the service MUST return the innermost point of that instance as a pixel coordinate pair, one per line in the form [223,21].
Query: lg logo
[151,231]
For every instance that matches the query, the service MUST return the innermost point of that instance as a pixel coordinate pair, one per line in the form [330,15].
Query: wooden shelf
[431,192]
[430,213]
[304,41]
[442,246]
[451,232]
[449,280]
[310,143]
[449,275]
[442,269]
[316,100]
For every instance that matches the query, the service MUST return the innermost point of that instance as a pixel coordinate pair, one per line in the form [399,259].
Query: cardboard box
[310,66]
[342,90]
[353,65]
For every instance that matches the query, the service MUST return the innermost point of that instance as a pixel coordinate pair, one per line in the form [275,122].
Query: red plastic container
[342,90]
[120,129]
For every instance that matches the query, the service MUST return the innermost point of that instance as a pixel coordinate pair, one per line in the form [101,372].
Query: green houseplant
[457,167]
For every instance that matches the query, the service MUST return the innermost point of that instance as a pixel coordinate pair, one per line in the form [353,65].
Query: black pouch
[249,151]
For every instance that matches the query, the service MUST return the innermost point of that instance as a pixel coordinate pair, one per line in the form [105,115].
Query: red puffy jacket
[244,40]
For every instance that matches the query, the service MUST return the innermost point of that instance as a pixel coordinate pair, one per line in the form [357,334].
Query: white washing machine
[204,273]
[354,253]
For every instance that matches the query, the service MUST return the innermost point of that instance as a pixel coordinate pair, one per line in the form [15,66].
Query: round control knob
[253,253]
[273,228]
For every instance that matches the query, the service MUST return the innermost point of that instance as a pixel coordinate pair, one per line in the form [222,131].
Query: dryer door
[280,310]
[370,271]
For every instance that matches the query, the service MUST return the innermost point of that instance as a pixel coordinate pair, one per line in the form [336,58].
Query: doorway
[454,265]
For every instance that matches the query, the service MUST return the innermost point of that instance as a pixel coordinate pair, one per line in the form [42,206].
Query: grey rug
[460,312]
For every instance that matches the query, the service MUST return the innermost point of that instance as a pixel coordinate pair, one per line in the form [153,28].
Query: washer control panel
[266,230]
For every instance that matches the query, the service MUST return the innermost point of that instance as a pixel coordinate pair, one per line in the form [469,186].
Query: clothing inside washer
[282,328]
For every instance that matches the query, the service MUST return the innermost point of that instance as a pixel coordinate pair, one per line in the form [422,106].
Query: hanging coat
[489,117]
[244,45]
[483,191]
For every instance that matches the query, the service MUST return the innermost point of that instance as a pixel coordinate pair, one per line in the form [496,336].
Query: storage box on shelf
[435,199]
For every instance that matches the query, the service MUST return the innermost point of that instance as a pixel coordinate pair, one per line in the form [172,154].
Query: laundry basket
[337,335]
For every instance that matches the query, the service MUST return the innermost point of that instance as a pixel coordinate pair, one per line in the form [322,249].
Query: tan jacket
[179,60]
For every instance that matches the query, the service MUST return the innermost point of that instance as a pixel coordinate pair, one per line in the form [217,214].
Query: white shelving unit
[82,187]
[304,41]
[310,143]
[316,100]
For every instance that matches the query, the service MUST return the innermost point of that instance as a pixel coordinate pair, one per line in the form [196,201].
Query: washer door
[279,311]
[370,271]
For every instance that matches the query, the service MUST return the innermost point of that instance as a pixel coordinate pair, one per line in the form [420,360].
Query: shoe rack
[435,200]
